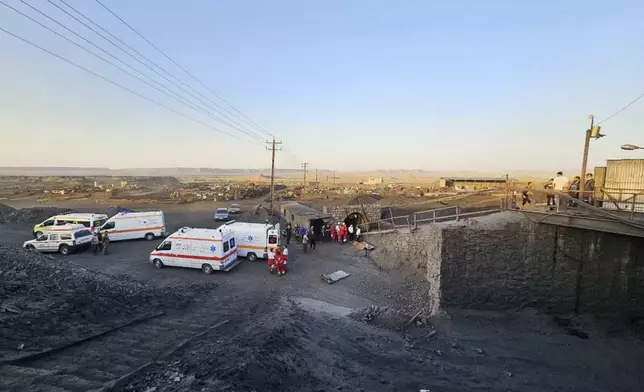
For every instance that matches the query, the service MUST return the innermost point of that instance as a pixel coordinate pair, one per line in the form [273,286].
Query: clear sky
[348,85]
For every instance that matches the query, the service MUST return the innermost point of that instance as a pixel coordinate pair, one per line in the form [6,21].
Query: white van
[135,225]
[254,239]
[90,221]
[207,249]
[66,240]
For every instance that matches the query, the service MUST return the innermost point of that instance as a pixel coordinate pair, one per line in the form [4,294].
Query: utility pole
[304,165]
[316,178]
[584,163]
[273,148]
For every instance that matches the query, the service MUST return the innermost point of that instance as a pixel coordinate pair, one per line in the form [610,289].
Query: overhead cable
[169,92]
[121,86]
[183,69]
[227,120]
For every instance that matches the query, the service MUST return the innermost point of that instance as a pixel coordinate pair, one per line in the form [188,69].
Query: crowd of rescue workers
[308,237]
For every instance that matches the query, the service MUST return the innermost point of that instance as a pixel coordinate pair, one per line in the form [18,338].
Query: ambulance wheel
[31,248]
[149,236]
[158,263]
[64,250]
[38,234]
[207,269]
[251,257]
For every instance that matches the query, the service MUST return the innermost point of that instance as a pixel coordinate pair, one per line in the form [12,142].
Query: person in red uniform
[333,233]
[279,259]
[343,233]
[271,261]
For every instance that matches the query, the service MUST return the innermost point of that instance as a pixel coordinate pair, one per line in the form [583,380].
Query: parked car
[234,209]
[221,214]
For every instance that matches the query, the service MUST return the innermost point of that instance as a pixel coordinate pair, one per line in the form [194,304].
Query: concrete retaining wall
[505,261]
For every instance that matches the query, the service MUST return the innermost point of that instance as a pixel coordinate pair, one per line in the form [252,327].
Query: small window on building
[167,245]
[232,243]
[226,246]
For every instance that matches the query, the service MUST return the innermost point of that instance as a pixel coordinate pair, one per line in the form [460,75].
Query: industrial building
[473,183]
[296,213]
[621,180]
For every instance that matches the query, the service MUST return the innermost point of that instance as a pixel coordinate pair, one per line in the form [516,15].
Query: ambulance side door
[182,250]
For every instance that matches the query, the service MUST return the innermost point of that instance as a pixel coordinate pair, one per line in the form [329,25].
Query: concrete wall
[504,261]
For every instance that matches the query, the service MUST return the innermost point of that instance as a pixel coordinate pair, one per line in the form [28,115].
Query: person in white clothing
[358,232]
[560,184]
[351,232]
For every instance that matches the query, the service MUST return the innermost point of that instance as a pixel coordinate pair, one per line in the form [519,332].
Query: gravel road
[298,333]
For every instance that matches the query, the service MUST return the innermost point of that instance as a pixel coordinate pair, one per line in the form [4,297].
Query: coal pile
[45,302]
[34,215]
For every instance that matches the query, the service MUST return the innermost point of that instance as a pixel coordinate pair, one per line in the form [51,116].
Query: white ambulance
[207,249]
[53,224]
[135,225]
[254,239]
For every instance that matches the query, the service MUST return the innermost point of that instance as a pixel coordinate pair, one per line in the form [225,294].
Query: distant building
[373,181]
[472,183]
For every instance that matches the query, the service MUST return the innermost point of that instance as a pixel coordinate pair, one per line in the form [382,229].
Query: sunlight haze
[358,85]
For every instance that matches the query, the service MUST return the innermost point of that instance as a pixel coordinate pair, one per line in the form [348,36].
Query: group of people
[342,233]
[560,183]
[584,192]
[278,260]
[100,243]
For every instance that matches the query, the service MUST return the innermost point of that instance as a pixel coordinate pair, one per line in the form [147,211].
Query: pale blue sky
[436,85]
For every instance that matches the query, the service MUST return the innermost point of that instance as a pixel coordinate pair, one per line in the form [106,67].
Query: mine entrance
[355,218]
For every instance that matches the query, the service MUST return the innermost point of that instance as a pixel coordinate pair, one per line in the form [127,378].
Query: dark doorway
[355,219]
[316,224]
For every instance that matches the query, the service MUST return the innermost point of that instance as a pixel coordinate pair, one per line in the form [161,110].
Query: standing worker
[96,244]
[351,229]
[358,233]
[289,231]
[333,232]
[271,261]
[285,259]
[106,244]
[305,242]
[313,240]
[589,189]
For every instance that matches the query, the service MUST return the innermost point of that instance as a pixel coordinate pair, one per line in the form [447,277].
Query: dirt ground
[298,333]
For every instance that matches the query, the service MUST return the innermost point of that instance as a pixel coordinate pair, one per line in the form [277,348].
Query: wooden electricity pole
[304,165]
[273,148]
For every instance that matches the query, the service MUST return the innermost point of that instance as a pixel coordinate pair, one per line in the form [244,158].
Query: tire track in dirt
[95,364]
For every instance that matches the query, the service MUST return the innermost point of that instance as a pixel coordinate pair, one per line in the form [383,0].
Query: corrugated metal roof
[298,209]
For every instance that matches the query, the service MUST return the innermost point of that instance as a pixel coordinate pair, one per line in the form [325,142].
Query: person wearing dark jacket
[589,189]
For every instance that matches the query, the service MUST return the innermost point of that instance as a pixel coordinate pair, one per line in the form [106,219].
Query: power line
[120,85]
[174,96]
[621,110]
[236,126]
[182,68]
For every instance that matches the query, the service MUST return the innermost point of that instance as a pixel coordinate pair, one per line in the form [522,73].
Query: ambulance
[207,249]
[254,239]
[53,224]
[135,225]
